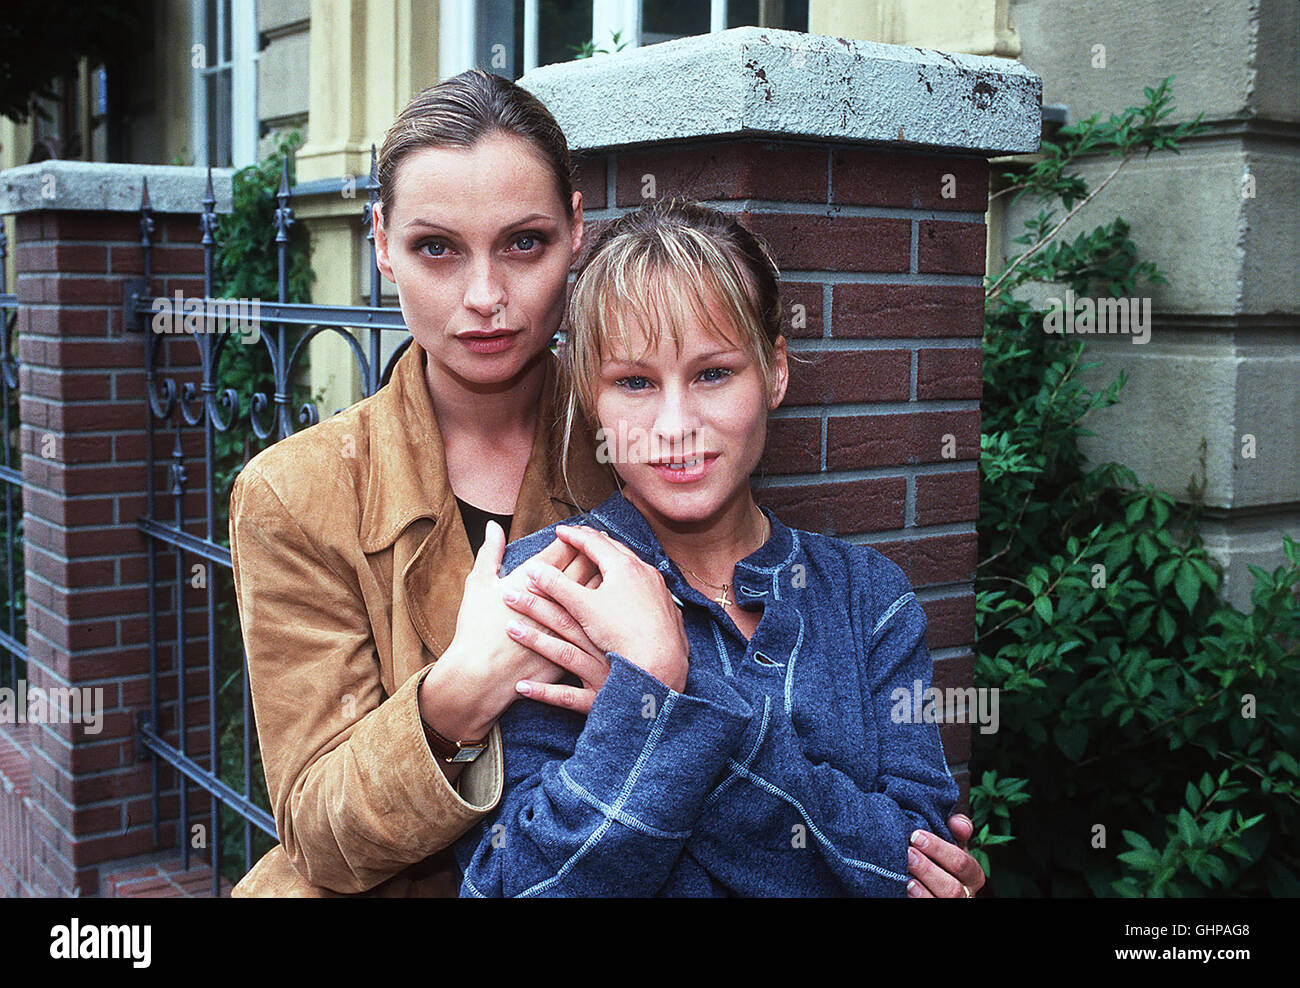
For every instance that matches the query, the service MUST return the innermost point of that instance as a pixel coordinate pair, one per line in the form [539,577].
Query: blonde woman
[738,737]
[377,652]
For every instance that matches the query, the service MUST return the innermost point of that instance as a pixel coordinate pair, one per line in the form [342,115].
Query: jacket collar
[408,465]
[622,519]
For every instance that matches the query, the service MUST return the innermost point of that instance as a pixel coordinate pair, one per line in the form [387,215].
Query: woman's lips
[688,472]
[493,342]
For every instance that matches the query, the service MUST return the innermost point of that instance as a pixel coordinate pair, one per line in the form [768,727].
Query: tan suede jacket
[350,558]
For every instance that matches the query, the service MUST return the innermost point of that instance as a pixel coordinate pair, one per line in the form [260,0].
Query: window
[668,19]
[510,37]
[664,20]
[223,59]
[788,15]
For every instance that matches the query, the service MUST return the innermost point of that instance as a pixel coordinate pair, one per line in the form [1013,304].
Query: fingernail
[911,888]
[514,628]
[918,838]
[509,596]
[913,856]
[524,688]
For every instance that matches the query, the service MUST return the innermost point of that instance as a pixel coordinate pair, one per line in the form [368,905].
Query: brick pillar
[84,415]
[864,168]
[878,438]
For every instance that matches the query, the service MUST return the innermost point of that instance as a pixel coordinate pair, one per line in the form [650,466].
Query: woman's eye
[632,383]
[434,248]
[529,243]
[715,374]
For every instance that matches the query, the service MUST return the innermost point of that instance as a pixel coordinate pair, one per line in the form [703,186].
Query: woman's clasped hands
[627,609]
[474,681]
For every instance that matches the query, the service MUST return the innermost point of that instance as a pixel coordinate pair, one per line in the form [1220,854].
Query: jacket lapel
[411,507]
[408,466]
[434,580]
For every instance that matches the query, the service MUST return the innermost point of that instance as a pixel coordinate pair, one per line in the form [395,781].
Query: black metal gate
[196,411]
[13,622]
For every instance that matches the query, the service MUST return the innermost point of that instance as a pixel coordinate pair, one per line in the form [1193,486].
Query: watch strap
[453,751]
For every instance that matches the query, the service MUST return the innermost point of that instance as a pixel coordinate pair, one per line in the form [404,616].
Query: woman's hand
[561,639]
[473,681]
[629,612]
[943,870]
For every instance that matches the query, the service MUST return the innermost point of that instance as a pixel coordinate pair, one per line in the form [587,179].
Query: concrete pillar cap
[752,81]
[109,187]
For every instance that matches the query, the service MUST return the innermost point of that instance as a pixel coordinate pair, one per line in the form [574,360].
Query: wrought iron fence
[286,329]
[13,634]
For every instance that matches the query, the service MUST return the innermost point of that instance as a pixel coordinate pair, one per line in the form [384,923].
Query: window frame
[245,123]
[458,23]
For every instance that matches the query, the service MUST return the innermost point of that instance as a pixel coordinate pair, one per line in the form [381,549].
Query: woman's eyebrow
[420,223]
[617,362]
[729,352]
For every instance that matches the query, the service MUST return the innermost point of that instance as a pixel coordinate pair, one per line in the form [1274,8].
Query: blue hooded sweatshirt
[791,765]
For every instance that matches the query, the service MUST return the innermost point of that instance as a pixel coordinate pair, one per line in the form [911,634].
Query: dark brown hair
[460,111]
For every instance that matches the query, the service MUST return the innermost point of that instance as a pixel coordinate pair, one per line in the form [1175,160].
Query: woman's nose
[485,291]
[676,424]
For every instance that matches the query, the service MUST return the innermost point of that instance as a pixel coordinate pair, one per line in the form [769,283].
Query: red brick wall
[889,273]
[84,444]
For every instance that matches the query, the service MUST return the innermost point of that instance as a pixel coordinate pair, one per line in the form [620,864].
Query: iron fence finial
[208,218]
[372,197]
[283,212]
[146,215]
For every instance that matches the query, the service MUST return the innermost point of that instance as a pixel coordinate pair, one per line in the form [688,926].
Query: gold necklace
[722,598]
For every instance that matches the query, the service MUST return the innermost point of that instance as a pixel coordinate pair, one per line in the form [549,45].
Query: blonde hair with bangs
[654,269]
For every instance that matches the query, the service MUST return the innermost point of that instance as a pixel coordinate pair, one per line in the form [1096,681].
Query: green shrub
[1132,697]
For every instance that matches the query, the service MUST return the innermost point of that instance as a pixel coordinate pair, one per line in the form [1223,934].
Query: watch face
[468,753]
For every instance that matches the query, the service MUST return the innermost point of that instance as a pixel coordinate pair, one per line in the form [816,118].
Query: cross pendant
[722,599]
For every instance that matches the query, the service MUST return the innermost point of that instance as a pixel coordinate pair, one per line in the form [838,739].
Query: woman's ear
[780,373]
[381,242]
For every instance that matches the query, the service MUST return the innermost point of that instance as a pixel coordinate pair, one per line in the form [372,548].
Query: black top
[476,520]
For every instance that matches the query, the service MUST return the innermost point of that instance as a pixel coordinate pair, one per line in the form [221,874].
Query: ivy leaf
[1208,576]
[1118,552]
[1140,622]
[1165,573]
[1135,511]
[1161,510]
[1147,549]
[1166,626]
[1188,585]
